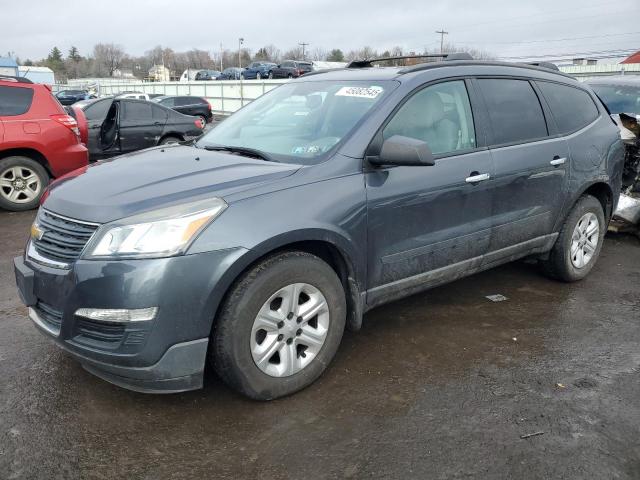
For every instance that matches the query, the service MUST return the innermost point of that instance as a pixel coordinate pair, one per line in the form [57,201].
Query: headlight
[161,233]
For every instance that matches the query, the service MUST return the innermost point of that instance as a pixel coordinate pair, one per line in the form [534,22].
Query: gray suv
[252,248]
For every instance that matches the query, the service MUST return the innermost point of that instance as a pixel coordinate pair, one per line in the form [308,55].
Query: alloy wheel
[20,184]
[584,241]
[289,330]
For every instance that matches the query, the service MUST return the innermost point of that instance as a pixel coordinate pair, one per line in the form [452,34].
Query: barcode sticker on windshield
[362,92]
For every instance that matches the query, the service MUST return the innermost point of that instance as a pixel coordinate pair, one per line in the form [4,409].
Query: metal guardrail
[225,96]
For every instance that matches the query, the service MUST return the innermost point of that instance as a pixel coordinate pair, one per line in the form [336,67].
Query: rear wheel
[169,140]
[280,326]
[22,182]
[258,76]
[290,76]
[578,246]
[270,74]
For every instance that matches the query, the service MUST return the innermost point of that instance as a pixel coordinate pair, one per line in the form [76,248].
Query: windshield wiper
[246,151]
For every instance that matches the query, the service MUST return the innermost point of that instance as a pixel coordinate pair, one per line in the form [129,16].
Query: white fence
[225,96]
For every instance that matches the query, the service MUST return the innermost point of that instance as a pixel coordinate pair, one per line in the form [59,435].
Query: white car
[136,95]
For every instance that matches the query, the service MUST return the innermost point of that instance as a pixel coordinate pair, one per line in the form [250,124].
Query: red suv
[38,141]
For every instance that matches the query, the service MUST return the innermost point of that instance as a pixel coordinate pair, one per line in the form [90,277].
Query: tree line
[110,60]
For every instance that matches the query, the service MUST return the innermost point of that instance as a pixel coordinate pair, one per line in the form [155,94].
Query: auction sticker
[362,92]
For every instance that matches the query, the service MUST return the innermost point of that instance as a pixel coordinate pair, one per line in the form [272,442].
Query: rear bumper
[68,159]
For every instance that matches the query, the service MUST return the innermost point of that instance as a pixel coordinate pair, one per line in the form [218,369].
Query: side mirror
[407,151]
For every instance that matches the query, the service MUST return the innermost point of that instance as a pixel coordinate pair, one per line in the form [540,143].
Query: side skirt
[427,280]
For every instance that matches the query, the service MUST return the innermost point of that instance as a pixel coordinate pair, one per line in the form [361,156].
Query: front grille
[49,315]
[63,238]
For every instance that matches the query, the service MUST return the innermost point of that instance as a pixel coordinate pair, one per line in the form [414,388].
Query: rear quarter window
[572,108]
[15,101]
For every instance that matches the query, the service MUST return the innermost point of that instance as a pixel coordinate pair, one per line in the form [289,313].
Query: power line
[601,53]
[555,39]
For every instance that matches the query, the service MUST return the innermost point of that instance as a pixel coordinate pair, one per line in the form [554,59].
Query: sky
[506,29]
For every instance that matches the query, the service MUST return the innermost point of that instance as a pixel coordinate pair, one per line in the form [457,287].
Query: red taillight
[208,104]
[68,121]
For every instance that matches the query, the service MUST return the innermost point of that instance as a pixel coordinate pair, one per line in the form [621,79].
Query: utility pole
[442,34]
[221,57]
[303,45]
[240,42]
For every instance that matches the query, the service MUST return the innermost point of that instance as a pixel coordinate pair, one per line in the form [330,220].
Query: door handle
[477,177]
[557,161]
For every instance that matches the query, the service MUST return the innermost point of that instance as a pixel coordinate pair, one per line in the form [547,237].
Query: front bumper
[163,355]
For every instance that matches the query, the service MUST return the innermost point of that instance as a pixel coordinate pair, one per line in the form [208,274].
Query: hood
[155,178]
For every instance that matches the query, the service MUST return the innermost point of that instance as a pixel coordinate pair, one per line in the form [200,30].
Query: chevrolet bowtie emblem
[36,232]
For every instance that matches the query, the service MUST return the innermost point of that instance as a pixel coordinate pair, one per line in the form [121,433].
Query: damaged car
[621,95]
[123,125]
[250,250]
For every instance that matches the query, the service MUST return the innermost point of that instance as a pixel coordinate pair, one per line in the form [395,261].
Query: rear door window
[571,107]
[168,102]
[136,112]
[514,110]
[15,101]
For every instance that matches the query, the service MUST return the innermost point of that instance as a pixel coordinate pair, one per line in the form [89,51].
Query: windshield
[299,122]
[619,98]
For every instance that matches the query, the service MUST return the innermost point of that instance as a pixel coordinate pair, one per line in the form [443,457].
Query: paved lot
[441,385]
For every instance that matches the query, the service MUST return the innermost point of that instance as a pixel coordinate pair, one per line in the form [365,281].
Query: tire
[169,140]
[564,259]
[236,334]
[242,76]
[22,183]
[270,74]
[289,76]
[258,76]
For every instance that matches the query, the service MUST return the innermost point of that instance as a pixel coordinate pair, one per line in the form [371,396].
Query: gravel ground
[440,385]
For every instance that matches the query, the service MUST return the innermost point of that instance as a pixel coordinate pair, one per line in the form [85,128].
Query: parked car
[258,70]
[188,105]
[290,69]
[69,97]
[255,246]
[122,125]
[621,95]
[204,75]
[38,142]
[231,73]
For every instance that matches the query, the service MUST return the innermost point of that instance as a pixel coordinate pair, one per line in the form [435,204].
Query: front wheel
[280,326]
[258,76]
[22,183]
[580,241]
[270,74]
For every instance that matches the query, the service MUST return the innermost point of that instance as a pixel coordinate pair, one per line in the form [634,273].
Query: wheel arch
[31,153]
[324,245]
[599,189]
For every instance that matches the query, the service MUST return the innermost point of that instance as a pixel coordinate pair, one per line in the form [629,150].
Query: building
[635,58]
[37,74]
[159,73]
[8,66]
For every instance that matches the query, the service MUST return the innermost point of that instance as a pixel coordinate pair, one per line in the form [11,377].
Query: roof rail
[444,56]
[547,65]
[9,78]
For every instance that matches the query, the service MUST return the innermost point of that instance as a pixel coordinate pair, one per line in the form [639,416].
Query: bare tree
[107,58]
